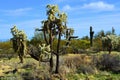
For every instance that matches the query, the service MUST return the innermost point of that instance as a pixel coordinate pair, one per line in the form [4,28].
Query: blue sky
[28,14]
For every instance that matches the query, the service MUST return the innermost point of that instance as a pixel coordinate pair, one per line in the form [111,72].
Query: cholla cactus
[19,42]
[22,35]
[14,31]
[114,40]
[53,28]
[44,51]
[111,41]
[52,10]
[18,34]
[62,17]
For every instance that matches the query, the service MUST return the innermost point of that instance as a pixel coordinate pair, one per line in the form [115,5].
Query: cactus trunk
[57,56]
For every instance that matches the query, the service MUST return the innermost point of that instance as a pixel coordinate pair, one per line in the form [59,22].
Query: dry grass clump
[79,63]
[75,60]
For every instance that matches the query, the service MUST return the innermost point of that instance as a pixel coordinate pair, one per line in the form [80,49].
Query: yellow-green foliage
[5,45]
[97,45]
[62,43]
[6,50]
[80,44]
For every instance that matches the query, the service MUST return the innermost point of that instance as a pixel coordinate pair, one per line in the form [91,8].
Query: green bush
[97,44]
[78,46]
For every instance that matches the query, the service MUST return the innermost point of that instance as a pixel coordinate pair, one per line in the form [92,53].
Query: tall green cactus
[19,42]
[91,36]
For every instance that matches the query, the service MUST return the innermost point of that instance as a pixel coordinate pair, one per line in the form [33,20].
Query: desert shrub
[35,75]
[81,77]
[80,44]
[109,62]
[76,45]
[35,72]
[79,63]
[86,69]
[29,66]
[8,54]
[27,76]
[6,50]
[62,43]
[63,71]
[97,44]
[74,77]
[73,61]
[5,45]
[11,77]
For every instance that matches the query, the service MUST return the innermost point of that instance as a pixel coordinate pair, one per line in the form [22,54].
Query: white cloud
[67,8]
[99,6]
[17,12]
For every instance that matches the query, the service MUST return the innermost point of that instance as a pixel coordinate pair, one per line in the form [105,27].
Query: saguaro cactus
[91,36]
[113,30]
[19,42]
